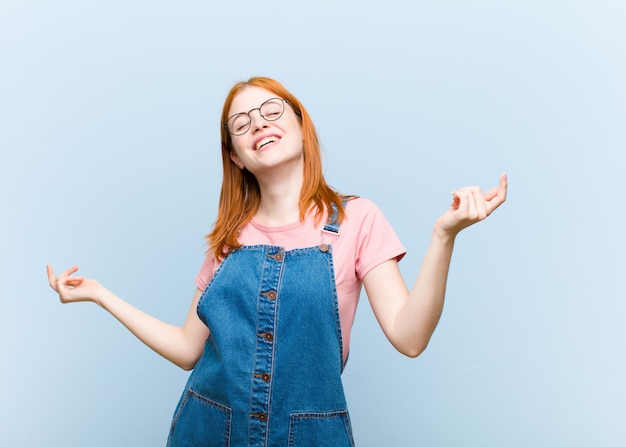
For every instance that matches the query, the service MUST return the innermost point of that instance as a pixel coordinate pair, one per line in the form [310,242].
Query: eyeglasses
[270,110]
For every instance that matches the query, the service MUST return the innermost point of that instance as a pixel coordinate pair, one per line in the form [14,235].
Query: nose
[256,120]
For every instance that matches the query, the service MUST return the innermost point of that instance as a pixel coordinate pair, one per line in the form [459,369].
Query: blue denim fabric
[270,373]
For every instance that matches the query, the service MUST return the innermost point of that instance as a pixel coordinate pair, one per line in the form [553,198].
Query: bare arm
[409,319]
[180,345]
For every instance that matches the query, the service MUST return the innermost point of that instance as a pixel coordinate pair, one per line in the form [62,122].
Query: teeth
[264,141]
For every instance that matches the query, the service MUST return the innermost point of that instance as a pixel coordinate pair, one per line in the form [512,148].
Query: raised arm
[180,345]
[409,319]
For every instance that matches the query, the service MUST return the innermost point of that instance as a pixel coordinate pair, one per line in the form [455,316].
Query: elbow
[413,351]
[186,357]
[186,364]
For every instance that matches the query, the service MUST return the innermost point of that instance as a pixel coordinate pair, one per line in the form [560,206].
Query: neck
[280,197]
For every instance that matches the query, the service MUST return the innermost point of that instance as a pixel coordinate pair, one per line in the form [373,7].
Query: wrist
[101,296]
[443,235]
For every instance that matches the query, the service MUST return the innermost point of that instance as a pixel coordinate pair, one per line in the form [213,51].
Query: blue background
[109,159]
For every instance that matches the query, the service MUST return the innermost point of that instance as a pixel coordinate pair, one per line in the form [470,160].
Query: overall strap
[332,225]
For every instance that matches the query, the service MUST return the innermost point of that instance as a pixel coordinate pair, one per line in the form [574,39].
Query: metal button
[324,248]
[260,416]
[267,336]
[265,377]
[278,257]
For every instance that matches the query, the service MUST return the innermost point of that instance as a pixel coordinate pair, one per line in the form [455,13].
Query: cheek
[297,132]
[236,146]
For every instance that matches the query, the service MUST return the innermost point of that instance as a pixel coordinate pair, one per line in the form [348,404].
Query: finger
[500,190]
[473,203]
[63,280]
[503,187]
[496,197]
[463,205]
[455,200]
[69,271]
[480,204]
[74,281]
[472,211]
[491,194]
[51,278]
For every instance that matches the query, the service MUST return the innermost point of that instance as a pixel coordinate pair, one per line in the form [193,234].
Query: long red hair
[240,195]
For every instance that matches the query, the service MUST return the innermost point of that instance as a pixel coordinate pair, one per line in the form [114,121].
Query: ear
[235,159]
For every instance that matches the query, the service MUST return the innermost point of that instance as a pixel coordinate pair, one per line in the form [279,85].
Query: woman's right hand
[180,345]
[73,289]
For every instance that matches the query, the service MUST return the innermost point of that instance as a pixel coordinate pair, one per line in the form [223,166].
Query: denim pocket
[331,429]
[200,421]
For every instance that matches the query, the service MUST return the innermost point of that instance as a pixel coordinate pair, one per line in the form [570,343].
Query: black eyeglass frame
[230,118]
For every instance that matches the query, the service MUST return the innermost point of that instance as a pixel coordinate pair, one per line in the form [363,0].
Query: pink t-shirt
[365,241]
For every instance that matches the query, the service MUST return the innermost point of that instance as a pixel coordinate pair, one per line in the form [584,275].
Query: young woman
[268,331]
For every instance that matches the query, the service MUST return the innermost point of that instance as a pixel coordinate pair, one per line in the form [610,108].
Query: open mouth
[264,142]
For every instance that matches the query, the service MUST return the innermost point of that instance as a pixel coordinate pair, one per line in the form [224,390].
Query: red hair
[240,195]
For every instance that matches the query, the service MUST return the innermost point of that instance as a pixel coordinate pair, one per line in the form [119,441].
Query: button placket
[264,352]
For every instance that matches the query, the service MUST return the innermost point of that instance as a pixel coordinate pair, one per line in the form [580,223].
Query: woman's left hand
[470,205]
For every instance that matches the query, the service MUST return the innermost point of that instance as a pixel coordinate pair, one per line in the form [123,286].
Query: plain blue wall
[109,159]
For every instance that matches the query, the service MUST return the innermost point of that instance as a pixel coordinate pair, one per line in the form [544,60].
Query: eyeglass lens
[270,110]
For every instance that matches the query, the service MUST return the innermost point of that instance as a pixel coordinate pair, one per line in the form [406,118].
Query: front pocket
[200,421]
[330,429]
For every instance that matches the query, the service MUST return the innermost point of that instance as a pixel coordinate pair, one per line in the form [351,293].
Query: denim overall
[270,373]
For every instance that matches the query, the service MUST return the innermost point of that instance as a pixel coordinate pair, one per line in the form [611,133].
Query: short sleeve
[376,240]
[206,271]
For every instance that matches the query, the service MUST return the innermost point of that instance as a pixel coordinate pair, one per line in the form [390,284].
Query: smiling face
[267,144]
[240,194]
